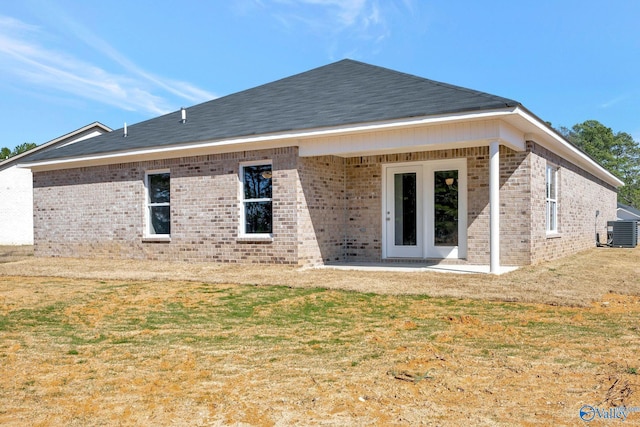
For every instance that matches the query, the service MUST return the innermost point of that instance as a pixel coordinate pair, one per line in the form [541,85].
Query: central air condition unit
[622,234]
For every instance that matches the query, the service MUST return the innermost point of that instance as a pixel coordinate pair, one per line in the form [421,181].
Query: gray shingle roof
[68,138]
[341,93]
[629,208]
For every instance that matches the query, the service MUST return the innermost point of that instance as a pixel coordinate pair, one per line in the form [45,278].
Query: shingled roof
[342,93]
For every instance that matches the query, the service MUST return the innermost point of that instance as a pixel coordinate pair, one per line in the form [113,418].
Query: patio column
[494,207]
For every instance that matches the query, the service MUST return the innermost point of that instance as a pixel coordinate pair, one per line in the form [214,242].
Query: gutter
[533,128]
[275,140]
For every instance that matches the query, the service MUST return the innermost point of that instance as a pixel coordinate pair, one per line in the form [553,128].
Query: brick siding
[321,210]
[579,196]
[364,193]
[325,209]
[100,211]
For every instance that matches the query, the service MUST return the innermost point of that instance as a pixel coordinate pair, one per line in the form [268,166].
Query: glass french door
[425,210]
[445,214]
[404,216]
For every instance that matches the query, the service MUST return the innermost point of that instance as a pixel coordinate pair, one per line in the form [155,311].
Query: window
[158,203]
[552,199]
[257,210]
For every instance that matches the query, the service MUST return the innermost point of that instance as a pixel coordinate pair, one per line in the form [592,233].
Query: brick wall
[326,209]
[363,225]
[100,211]
[321,209]
[579,196]
[514,207]
[364,193]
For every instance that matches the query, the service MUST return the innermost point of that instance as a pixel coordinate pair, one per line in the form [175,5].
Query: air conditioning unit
[622,234]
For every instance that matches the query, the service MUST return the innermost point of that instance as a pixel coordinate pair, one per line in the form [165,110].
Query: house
[348,162]
[16,187]
[627,213]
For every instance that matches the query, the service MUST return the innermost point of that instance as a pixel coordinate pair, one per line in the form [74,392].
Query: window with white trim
[552,198]
[158,185]
[257,211]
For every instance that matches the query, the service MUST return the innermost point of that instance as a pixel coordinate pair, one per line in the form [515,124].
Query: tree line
[615,151]
[5,152]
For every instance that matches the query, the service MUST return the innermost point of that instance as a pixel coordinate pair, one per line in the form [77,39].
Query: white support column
[494,206]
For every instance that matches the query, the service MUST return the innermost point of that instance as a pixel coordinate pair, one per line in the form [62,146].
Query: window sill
[260,238]
[554,235]
[156,239]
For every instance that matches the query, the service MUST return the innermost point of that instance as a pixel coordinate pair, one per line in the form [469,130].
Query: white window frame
[242,230]
[551,204]
[149,234]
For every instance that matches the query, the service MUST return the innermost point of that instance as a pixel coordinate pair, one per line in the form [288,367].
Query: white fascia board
[511,136]
[149,155]
[258,142]
[431,137]
[557,144]
[98,129]
[628,214]
[83,137]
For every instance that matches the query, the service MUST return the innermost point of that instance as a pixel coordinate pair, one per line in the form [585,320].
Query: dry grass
[576,280]
[15,253]
[115,343]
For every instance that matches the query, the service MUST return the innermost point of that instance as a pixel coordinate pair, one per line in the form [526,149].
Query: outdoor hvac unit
[622,234]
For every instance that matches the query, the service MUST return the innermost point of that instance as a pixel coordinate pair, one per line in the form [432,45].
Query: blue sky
[67,63]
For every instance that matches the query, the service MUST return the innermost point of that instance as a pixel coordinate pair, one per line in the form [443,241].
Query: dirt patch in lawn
[91,352]
[576,280]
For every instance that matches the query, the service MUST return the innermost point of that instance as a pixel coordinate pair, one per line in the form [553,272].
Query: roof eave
[545,135]
[254,142]
[15,159]
[533,128]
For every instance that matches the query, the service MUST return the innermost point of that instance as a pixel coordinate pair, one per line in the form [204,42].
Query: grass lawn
[112,351]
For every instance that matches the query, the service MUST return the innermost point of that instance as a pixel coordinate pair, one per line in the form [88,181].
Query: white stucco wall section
[16,206]
[16,187]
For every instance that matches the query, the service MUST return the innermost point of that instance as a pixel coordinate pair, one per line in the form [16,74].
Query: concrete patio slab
[417,267]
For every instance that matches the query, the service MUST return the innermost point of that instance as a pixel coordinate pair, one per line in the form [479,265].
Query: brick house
[344,163]
[16,187]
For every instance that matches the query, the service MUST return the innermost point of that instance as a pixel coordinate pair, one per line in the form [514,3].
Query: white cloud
[347,11]
[181,89]
[363,19]
[9,24]
[27,59]
[614,101]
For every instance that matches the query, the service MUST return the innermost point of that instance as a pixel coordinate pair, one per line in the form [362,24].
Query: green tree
[617,152]
[5,153]
[25,146]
